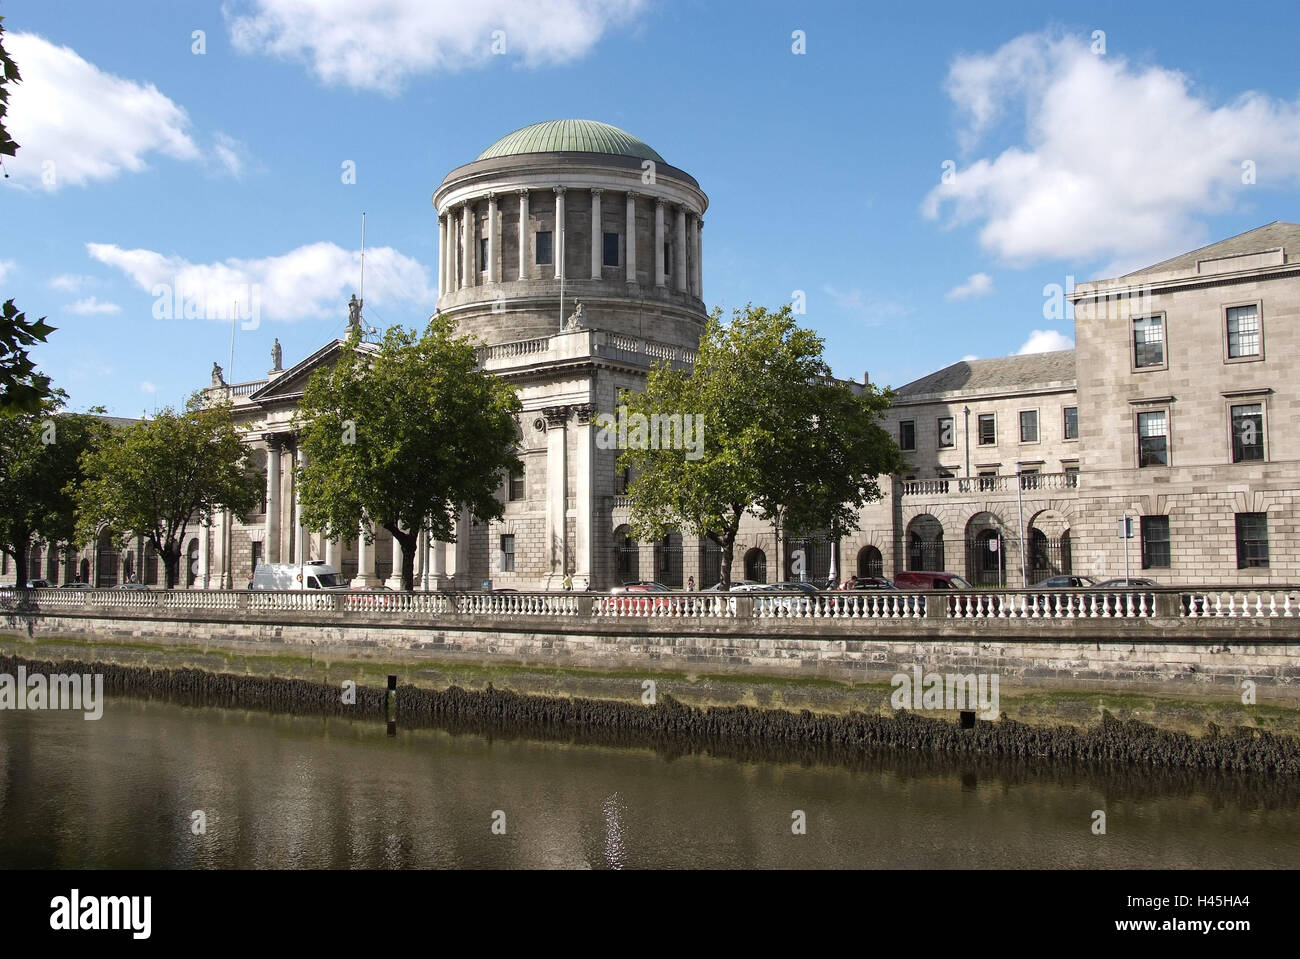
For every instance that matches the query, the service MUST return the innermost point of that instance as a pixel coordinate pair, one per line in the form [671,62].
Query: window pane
[543,246]
[1247,432]
[507,553]
[482,254]
[1252,540]
[1029,426]
[947,433]
[668,259]
[987,430]
[1243,331]
[907,435]
[1155,542]
[611,249]
[1072,422]
[1153,439]
[517,486]
[1149,341]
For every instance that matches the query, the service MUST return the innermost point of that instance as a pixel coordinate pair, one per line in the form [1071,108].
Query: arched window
[756,565]
[627,556]
[870,562]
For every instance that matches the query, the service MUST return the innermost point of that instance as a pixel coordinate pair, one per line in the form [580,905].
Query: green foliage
[8,74]
[157,477]
[783,440]
[402,435]
[40,462]
[22,389]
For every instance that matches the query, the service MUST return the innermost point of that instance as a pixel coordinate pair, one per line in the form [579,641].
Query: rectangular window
[1071,423]
[611,249]
[1149,341]
[257,555]
[1029,426]
[507,552]
[516,486]
[1248,432]
[622,479]
[1243,331]
[988,430]
[482,254]
[542,243]
[907,435]
[1155,542]
[1153,439]
[1252,540]
[947,433]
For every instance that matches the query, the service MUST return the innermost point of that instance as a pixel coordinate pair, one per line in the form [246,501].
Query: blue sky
[142,159]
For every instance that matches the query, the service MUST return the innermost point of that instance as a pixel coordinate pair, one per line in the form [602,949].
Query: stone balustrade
[966,485]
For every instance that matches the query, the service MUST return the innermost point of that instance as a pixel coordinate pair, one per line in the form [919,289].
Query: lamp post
[966,411]
[1020,507]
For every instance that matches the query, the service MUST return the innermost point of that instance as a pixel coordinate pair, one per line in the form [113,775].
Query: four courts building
[573,252]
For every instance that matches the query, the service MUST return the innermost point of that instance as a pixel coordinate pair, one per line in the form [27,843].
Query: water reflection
[313,792]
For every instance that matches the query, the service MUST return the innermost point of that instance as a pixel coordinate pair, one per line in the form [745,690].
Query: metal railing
[1137,603]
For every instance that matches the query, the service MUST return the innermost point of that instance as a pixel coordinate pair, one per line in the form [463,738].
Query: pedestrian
[568,583]
[690,584]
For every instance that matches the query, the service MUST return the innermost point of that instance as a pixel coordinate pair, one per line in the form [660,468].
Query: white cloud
[873,311]
[91,306]
[75,123]
[70,282]
[229,154]
[979,284]
[378,44]
[6,267]
[1118,160]
[147,387]
[310,282]
[968,357]
[1044,341]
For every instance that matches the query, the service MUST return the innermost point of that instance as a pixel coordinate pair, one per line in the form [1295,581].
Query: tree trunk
[20,561]
[409,540]
[728,552]
[171,557]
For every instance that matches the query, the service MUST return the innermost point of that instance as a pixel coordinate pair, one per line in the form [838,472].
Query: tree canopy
[402,435]
[40,462]
[783,439]
[159,477]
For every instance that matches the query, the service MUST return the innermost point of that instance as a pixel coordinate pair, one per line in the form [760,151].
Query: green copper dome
[571,136]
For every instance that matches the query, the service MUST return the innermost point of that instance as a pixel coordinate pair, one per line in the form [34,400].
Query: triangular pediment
[288,386]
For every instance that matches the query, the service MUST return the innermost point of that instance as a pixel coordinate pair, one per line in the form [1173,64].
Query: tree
[783,438]
[22,389]
[157,477]
[401,436]
[40,461]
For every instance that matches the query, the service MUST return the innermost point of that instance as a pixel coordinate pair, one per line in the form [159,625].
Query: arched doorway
[52,566]
[627,556]
[756,565]
[668,560]
[106,561]
[986,550]
[924,538]
[85,571]
[150,566]
[817,559]
[1048,546]
[191,571]
[34,556]
[710,563]
[870,562]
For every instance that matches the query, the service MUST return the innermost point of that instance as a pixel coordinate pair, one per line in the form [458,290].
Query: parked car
[292,576]
[634,598]
[38,584]
[368,597]
[868,582]
[736,584]
[918,579]
[1065,582]
[1114,601]
[130,586]
[76,586]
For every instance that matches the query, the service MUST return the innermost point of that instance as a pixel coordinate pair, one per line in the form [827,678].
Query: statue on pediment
[276,356]
[218,378]
[354,312]
[575,319]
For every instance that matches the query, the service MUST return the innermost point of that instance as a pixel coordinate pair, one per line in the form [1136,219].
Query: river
[279,791]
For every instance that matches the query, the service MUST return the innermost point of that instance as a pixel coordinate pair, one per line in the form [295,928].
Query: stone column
[699,257]
[680,266]
[492,240]
[395,577]
[558,245]
[584,559]
[523,234]
[631,237]
[442,254]
[272,538]
[659,242]
[205,551]
[471,244]
[332,554]
[365,562]
[462,575]
[439,562]
[557,498]
[423,564]
[597,236]
[301,552]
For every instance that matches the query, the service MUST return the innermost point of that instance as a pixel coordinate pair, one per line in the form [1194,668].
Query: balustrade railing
[1138,603]
[1006,483]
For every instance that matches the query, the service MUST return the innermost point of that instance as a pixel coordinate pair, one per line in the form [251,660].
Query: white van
[313,575]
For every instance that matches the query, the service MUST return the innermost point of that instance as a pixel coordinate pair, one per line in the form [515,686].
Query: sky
[924,179]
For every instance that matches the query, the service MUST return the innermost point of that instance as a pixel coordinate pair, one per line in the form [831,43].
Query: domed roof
[571,136]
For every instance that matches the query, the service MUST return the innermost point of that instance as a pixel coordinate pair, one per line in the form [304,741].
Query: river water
[280,791]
